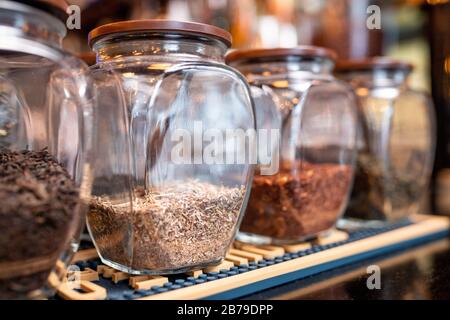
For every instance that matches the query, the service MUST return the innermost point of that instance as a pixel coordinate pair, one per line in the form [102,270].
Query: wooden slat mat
[248,269]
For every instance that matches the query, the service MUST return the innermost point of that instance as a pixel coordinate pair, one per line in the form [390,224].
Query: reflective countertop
[419,273]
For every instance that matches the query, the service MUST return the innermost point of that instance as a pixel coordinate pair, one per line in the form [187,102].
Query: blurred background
[417,31]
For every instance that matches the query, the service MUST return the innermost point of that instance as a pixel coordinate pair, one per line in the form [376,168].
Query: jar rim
[160,25]
[252,55]
[375,63]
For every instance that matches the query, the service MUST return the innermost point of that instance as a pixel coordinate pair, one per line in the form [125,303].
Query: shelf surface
[248,270]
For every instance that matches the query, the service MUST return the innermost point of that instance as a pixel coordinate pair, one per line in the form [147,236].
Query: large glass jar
[304,179]
[172,171]
[45,118]
[397,142]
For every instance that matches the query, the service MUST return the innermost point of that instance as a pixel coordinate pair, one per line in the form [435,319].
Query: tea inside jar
[301,201]
[174,227]
[383,193]
[38,203]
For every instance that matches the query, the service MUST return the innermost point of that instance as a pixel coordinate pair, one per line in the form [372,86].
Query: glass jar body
[45,117]
[313,115]
[395,157]
[173,179]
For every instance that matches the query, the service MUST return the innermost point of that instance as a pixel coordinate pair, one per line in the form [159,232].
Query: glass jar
[304,179]
[89,59]
[397,143]
[45,117]
[172,173]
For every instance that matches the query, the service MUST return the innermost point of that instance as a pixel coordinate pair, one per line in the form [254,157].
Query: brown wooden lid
[276,53]
[89,57]
[161,25]
[55,7]
[386,63]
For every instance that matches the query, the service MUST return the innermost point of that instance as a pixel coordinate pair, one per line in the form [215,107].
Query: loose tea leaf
[38,202]
[299,202]
[182,225]
[384,193]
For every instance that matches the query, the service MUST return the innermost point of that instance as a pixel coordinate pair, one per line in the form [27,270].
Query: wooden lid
[89,57]
[55,7]
[277,53]
[368,64]
[161,25]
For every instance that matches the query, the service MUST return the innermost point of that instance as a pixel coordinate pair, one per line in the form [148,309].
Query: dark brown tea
[38,203]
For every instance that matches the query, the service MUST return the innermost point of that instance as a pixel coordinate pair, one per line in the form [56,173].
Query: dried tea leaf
[302,200]
[39,201]
[182,225]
